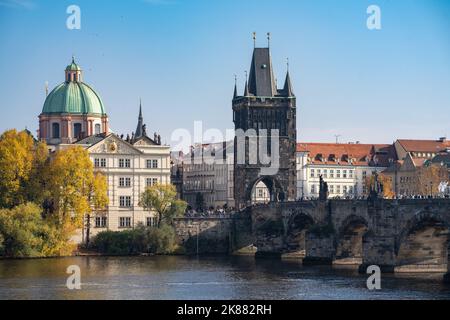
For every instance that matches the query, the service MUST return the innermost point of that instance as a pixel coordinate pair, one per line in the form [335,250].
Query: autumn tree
[162,199]
[74,190]
[385,181]
[98,199]
[429,177]
[21,160]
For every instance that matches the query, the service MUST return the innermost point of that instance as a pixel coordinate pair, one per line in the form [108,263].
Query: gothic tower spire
[235,87]
[139,132]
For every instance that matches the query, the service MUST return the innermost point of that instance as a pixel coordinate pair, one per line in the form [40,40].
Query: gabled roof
[349,154]
[424,145]
[96,139]
[93,139]
[148,140]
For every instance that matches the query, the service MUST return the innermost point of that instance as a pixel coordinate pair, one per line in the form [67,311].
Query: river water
[180,277]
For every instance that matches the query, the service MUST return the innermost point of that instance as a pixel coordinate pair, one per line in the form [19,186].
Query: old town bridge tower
[264,106]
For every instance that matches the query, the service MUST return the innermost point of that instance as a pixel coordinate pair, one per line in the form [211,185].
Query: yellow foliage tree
[98,199]
[74,190]
[429,177]
[20,157]
[386,181]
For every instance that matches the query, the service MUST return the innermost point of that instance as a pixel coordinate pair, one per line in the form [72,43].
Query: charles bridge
[404,235]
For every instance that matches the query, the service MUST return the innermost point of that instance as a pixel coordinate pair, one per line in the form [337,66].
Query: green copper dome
[73,66]
[73,97]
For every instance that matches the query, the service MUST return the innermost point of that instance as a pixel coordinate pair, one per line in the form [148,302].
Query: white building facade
[345,167]
[129,168]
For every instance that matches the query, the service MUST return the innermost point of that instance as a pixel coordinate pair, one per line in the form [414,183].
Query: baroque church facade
[74,114]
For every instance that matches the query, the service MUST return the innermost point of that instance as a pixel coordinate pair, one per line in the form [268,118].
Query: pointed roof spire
[246,92]
[261,80]
[287,89]
[139,131]
[235,87]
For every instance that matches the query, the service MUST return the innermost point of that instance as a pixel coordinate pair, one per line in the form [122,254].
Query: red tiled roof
[360,154]
[424,145]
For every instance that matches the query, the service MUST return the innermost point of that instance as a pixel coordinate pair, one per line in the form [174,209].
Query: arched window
[97,128]
[55,130]
[77,130]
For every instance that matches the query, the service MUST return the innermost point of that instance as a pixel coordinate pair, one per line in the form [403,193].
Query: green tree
[162,199]
[23,231]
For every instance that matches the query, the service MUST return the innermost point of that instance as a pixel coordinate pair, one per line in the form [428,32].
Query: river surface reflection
[180,277]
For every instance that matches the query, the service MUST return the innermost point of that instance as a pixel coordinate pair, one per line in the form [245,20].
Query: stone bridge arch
[275,188]
[350,240]
[296,228]
[423,243]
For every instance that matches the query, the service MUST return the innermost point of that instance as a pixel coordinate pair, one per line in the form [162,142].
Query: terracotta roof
[349,154]
[424,145]
[418,162]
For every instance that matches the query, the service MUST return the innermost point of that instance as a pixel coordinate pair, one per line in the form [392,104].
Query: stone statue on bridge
[376,187]
[323,189]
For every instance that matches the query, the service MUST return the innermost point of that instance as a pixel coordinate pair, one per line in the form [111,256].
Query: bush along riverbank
[141,240]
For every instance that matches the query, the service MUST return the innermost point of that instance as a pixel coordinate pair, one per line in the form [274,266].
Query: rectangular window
[124,163]
[338,189]
[103,163]
[312,173]
[100,222]
[338,173]
[125,201]
[344,174]
[331,174]
[124,182]
[344,189]
[153,164]
[325,173]
[151,181]
[151,222]
[350,174]
[96,163]
[313,189]
[124,222]
[331,189]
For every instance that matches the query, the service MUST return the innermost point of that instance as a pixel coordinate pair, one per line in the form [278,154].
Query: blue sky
[180,58]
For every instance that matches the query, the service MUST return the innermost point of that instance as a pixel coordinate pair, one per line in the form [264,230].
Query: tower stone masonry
[263,106]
